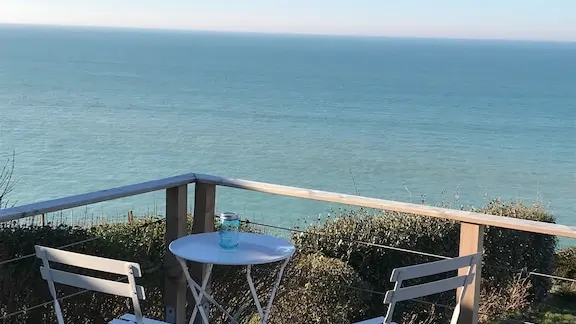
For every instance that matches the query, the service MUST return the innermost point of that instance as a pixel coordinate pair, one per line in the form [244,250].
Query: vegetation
[7,183]
[332,279]
[316,291]
[566,267]
[555,318]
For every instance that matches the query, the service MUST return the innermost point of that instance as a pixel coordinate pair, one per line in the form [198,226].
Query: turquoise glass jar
[229,230]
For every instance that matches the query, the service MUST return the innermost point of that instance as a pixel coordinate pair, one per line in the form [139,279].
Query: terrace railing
[471,224]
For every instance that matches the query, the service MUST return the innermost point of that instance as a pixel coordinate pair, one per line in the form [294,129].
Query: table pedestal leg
[264,313]
[198,298]
[202,293]
[197,294]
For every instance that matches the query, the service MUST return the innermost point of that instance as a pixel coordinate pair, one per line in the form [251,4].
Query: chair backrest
[427,269]
[128,269]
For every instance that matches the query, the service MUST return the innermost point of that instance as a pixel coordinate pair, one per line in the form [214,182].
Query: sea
[434,121]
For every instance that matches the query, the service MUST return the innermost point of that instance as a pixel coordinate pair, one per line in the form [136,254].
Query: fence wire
[380,293]
[389,247]
[73,244]
[78,293]
[394,248]
[294,230]
[148,271]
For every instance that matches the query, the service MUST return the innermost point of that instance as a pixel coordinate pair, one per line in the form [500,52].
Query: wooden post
[175,288]
[204,211]
[204,208]
[471,241]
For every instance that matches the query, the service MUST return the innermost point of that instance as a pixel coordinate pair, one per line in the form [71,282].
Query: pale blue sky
[508,19]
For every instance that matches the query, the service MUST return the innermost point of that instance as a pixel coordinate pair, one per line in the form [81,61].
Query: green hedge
[566,267]
[317,283]
[22,287]
[510,249]
[502,248]
[315,290]
[566,262]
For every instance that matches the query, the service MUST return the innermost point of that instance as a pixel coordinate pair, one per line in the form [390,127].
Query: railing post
[471,241]
[175,289]
[204,211]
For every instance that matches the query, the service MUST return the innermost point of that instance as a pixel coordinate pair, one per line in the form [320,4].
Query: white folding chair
[129,290]
[427,269]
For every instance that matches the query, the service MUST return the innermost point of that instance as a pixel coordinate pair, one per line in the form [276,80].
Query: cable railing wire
[151,270]
[517,271]
[529,273]
[60,247]
[436,304]
[78,293]
[353,241]
[521,271]
[294,230]
[73,244]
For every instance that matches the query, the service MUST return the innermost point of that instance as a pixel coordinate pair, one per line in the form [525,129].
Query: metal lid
[228,216]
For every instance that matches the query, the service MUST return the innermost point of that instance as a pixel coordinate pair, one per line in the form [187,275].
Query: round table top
[252,249]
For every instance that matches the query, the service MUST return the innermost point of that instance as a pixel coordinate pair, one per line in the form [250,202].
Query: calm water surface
[411,120]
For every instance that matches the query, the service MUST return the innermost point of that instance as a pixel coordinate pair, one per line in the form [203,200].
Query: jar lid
[228,216]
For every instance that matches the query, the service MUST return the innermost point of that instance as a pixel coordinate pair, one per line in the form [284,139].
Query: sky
[492,19]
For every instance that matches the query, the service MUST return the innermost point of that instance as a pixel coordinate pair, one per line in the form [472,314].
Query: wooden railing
[471,232]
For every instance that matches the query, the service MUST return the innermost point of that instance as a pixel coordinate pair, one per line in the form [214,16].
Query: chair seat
[130,319]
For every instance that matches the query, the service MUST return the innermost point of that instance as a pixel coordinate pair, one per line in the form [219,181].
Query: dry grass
[498,303]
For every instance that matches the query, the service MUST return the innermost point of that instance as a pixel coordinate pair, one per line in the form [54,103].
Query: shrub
[22,286]
[566,267]
[317,278]
[506,249]
[330,259]
[556,318]
[336,238]
[500,302]
[566,262]
[316,290]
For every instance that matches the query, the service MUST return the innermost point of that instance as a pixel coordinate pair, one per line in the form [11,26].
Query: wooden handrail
[23,211]
[10,214]
[352,200]
[471,232]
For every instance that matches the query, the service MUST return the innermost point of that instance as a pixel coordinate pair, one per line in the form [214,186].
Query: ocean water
[406,119]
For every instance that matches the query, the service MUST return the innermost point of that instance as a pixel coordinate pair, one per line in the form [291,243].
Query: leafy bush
[556,318]
[506,249]
[336,238]
[316,291]
[330,258]
[566,267]
[22,286]
[566,262]
[502,302]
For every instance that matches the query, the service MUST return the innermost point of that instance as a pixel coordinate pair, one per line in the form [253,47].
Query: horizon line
[286,33]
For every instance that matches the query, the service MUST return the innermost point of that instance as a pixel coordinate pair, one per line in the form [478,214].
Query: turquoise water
[410,120]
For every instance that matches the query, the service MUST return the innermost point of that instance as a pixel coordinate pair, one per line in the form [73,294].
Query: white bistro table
[253,249]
